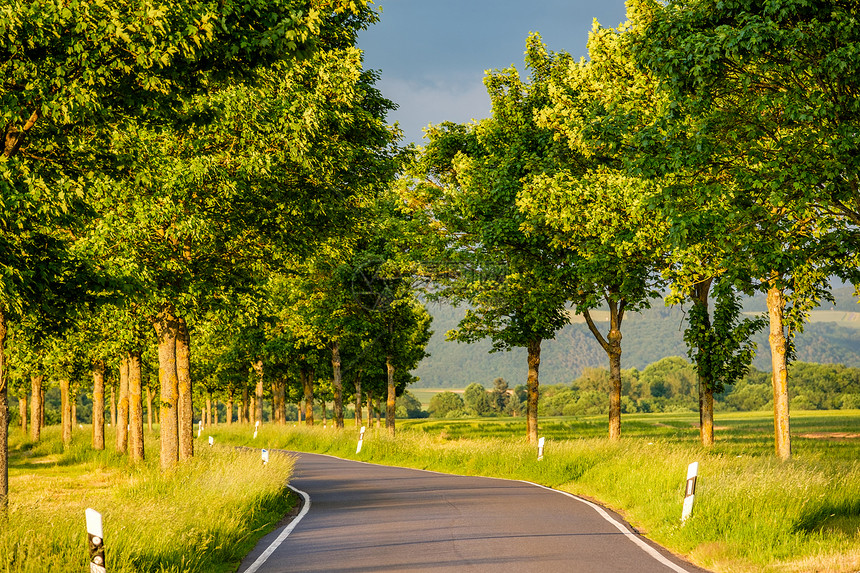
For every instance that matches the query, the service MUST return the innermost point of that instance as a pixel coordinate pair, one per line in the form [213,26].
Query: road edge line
[284,534]
[632,536]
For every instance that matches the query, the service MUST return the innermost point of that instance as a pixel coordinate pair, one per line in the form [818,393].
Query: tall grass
[204,516]
[753,513]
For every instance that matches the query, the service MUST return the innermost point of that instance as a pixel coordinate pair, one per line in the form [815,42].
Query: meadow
[753,513]
[203,517]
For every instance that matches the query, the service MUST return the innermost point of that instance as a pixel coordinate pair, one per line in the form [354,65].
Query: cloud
[432,101]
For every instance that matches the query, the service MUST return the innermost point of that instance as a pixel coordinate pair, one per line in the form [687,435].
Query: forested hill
[832,336]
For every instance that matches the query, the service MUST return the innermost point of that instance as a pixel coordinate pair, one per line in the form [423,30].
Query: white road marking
[634,537]
[620,526]
[284,534]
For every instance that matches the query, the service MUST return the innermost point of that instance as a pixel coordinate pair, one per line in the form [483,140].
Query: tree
[476,400]
[445,404]
[593,208]
[66,73]
[764,111]
[408,406]
[499,396]
[466,184]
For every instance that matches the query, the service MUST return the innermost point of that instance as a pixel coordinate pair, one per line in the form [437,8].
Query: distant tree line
[668,385]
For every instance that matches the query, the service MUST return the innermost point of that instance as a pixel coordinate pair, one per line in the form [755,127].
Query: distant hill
[832,336]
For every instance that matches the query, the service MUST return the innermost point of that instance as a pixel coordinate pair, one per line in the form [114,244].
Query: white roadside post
[95,536]
[360,440]
[540,448]
[199,428]
[257,425]
[211,440]
[690,493]
[265,457]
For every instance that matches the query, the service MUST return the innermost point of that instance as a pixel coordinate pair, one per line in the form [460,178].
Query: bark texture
[98,369]
[135,408]
[357,384]
[612,346]
[338,384]
[37,405]
[391,399]
[122,409]
[22,412]
[308,387]
[258,392]
[185,390]
[66,407]
[778,352]
[533,390]
[706,384]
[166,328]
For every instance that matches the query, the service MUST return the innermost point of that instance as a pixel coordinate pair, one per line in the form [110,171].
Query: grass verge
[753,513]
[204,516]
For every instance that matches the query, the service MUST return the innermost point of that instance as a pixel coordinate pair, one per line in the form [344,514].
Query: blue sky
[432,54]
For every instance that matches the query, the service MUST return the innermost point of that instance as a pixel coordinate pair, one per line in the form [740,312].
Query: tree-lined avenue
[367,517]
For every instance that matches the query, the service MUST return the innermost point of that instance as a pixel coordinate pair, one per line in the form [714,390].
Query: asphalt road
[367,518]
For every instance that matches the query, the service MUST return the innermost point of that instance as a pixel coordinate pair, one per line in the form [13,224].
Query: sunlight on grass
[753,513]
[202,517]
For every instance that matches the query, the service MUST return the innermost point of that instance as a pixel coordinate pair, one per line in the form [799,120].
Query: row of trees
[222,173]
[198,190]
[707,149]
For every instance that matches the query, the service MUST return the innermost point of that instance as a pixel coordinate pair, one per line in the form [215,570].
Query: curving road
[365,517]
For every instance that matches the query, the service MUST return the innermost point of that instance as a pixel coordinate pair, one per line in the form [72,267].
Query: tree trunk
[122,416]
[74,409]
[338,384]
[533,388]
[778,351]
[185,412]
[149,408]
[357,384]
[615,389]
[276,415]
[166,329]
[308,387]
[229,418]
[378,410]
[66,407]
[37,406]
[707,429]
[98,369]
[244,414]
[258,392]
[22,412]
[4,421]
[282,400]
[216,411]
[208,417]
[113,405]
[135,408]
[612,346]
[390,402]
[706,386]
[369,408]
